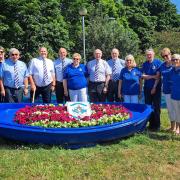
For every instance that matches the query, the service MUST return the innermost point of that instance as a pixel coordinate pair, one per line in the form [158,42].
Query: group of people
[115,80]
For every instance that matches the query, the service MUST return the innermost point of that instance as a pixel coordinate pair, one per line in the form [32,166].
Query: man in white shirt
[99,76]
[42,76]
[116,65]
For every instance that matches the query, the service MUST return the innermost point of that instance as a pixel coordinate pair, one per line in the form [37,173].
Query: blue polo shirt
[130,81]
[150,68]
[76,76]
[166,79]
[175,88]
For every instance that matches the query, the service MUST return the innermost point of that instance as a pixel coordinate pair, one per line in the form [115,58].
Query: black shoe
[154,129]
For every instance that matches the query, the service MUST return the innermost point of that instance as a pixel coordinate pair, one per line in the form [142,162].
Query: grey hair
[176,56]
[12,50]
[2,48]
[150,50]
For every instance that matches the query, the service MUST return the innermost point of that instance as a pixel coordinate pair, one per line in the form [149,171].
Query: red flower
[101,114]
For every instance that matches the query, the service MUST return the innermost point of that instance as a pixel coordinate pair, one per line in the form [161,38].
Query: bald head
[62,53]
[115,53]
[97,54]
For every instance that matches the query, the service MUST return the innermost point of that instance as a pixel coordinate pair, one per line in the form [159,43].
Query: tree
[147,16]
[169,39]
[105,35]
[166,14]
[30,24]
[141,21]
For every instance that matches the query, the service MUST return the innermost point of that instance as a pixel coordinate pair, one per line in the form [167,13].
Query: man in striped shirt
[60,65]
[116,65]
[99,75]
[13,77]
[42,76]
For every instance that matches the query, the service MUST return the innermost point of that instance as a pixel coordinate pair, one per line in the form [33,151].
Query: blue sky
[177,3]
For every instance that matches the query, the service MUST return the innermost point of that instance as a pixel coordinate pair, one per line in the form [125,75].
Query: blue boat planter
[76,137]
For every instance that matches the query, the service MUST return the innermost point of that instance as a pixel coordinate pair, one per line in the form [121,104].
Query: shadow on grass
[117,141]
[162,135]
[14,145]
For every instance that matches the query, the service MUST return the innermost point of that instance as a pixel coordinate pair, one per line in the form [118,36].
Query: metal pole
[84,45]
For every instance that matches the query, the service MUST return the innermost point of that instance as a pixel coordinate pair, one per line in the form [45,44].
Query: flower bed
[52,116]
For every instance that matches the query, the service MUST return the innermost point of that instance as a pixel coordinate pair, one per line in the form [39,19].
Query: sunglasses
[174,60]
[165,56]
[14,54]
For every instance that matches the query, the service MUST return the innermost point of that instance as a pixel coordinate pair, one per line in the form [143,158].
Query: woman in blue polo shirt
[175,89]
[74,80]
[130,82]
[164,70]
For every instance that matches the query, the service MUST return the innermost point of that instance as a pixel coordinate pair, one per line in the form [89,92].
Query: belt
[99,82]
[7,87]
[44,86]
[111,80]
[59,81]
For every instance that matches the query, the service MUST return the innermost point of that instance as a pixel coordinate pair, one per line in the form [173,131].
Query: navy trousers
[45,92]
[95,90]
[155,101]
[112,95]
[59,90]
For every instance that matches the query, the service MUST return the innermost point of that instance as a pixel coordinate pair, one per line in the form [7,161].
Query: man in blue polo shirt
[152,87]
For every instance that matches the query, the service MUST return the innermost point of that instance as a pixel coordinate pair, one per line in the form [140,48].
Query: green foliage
[105,34]
[166,14]
[31,24]
[147,16]
[170,39]
[26,25]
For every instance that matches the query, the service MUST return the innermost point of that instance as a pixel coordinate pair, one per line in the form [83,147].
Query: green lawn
[142,156]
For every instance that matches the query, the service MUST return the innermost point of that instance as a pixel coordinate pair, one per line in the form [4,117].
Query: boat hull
[72,136]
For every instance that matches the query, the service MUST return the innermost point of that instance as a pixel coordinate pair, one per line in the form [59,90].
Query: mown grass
[142,156]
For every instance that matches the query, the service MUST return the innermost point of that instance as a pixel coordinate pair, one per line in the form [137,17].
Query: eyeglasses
[174,60]
[165,56]
[14,54]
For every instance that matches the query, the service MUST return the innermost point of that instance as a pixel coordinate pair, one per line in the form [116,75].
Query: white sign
[79,109]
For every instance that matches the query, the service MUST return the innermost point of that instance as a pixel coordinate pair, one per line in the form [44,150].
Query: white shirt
[36,70]
[103,70]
